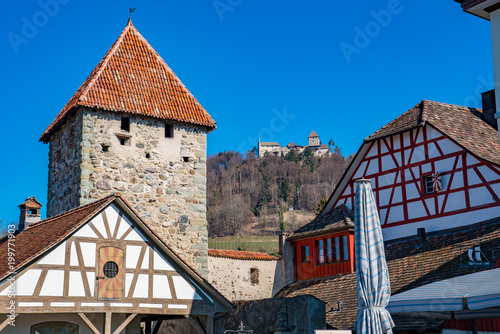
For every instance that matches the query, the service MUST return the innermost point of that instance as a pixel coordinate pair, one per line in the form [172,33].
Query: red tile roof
[241,255]
[313,134]
[133,78]
[39,237]
[462,124]
[442,256]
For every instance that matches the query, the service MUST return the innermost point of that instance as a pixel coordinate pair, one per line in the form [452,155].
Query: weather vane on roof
[130,11]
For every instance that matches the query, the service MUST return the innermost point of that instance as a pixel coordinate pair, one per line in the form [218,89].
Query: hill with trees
[248,195]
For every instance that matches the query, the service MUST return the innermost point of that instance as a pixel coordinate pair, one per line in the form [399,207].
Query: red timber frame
[305,270]
[409,160]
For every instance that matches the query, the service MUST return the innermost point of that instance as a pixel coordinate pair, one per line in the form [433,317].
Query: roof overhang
[312,234]
[481,8]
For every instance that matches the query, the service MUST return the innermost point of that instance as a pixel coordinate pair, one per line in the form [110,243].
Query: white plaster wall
[24,322]
[232,278]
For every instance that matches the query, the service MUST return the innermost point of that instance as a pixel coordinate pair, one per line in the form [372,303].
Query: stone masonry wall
[64,171]
[232,278]
[163,179]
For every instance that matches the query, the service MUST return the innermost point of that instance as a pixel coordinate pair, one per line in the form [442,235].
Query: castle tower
[313,139]
[134,128]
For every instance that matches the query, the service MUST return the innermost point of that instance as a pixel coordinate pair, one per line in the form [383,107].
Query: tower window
[33,211]
[169,130]
[185,159]
[125,123]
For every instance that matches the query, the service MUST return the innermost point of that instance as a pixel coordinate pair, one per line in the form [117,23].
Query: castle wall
[151,173]
[64,167]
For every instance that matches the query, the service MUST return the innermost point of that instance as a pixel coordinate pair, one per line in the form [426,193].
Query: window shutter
[110,273]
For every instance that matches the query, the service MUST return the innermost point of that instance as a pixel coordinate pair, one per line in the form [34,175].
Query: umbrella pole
[474,326]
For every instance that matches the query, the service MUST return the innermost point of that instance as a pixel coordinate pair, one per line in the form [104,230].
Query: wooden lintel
[89,323]
[193,324]
[125,323]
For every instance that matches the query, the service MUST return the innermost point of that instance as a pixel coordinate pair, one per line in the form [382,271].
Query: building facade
[134,128]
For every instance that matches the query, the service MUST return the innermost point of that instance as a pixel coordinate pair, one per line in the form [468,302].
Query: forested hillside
[247,194]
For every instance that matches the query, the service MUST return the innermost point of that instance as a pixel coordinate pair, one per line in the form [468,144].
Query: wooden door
[110,273]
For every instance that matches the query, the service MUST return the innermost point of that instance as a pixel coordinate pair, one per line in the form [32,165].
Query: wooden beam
[193,324]
[89,323]
[125,323]
[147,327]
[6,322]
[210,324]
[107,323]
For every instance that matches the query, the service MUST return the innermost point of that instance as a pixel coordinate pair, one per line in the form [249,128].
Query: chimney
[30,213]
[421,235]
[489,108]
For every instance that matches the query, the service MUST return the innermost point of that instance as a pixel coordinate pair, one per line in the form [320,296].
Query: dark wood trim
[125,323]
[117,226]
[492,8]
[172,287]
[83,273]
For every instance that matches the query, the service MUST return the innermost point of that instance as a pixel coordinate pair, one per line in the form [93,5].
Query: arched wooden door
[110,273]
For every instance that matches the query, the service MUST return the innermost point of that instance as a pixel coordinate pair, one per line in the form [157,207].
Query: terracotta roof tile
[241,255]
[31,202]
[442,256]
[339,219]
[133,78]
[312,134]
[462,124]
[41,236]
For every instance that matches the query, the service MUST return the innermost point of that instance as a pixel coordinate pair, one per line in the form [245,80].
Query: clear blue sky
[270,69]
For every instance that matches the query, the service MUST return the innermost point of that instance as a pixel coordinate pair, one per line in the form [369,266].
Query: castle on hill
[314,144]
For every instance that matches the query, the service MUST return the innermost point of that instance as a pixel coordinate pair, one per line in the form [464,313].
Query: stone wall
[163,179]
[231,277]
[64,167]
[306,312]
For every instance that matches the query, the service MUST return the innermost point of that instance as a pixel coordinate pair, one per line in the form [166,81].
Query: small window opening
[169,131]
[124,140]
[148,156]
[305,254]
[254,275]
[185,159]
[428,184]
[33,211]
[105,147]
[125,123]
[110,269]
[345,247]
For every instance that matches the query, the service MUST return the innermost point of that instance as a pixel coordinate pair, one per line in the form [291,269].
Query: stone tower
[313,139]
[134,128]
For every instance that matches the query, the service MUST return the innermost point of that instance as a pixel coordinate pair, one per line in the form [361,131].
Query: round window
[110,269]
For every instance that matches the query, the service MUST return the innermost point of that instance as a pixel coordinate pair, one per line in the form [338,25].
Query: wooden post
[210,324]
[107,325]
[6,322]
[157,326]
[148,327]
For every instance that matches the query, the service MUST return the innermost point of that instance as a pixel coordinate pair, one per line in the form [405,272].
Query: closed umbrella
[372,286]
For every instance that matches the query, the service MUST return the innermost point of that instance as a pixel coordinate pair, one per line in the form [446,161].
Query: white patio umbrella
[372,286]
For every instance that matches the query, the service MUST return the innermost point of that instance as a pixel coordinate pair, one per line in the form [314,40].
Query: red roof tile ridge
[243,255]
[165,65]
[106,59]
[100,202]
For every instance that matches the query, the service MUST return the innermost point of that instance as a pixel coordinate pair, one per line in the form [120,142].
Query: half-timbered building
[437,166]
[99,268]
[434,168]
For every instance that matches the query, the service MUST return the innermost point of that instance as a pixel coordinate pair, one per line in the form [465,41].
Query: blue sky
[274,70]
